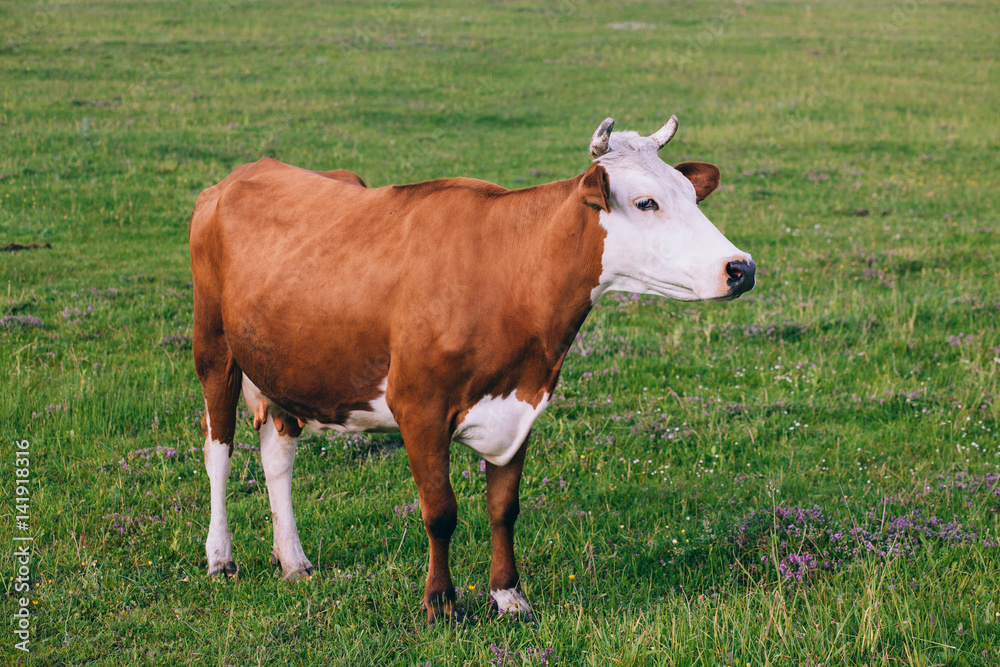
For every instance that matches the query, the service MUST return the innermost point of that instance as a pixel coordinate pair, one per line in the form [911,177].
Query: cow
[441,310]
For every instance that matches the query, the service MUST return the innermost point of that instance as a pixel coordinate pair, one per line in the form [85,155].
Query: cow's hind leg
[503,505]
[278,436]
[220,380]
[277,454]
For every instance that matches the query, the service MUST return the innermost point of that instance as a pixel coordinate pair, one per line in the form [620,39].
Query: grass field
[807,476]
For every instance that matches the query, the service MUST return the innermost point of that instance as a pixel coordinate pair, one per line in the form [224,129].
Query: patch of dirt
[18,247]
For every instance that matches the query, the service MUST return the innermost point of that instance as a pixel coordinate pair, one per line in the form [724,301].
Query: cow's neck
[565,272]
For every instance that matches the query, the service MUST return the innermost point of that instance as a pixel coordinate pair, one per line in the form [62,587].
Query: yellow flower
[572,577]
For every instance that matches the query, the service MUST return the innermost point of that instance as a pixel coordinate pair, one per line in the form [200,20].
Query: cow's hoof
[225,570]
[301,572]
[442,612]
[511,601]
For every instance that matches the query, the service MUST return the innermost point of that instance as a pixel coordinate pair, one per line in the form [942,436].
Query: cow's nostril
[740,274]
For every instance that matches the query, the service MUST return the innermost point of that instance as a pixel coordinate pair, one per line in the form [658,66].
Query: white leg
[277,453]
[219,543]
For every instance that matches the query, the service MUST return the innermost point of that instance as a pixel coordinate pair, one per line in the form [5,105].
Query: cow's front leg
[502,485]
[277,453]
[427,449]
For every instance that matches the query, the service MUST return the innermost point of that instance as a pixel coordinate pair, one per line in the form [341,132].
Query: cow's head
[658,240]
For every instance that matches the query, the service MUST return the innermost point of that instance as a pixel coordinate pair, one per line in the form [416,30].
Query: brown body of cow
[443,309]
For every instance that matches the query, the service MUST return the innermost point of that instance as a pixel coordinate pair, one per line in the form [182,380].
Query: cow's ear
[594,191]
[704,177]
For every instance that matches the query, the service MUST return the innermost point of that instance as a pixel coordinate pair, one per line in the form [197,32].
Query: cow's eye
[646,204]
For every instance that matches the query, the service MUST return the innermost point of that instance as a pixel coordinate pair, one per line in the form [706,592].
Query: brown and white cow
[442,310]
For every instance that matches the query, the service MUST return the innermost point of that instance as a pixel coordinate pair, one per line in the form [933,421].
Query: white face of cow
[658,240]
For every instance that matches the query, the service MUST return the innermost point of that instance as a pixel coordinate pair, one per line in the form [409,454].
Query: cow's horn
[599,144]
[663,135]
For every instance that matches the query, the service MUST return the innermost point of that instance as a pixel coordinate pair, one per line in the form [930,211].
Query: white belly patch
[496,427]
[379,418]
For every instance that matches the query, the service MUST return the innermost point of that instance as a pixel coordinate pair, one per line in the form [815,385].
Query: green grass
[858,145]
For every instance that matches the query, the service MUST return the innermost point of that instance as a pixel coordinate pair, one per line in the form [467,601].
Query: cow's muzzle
[740,278]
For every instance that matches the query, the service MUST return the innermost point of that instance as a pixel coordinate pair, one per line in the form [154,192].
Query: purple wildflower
[24,320]
[407,510]
[176,342]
